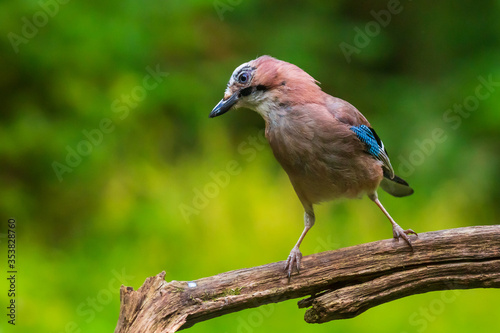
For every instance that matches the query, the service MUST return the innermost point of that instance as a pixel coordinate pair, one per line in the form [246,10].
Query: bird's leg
[397,231]
[295,255]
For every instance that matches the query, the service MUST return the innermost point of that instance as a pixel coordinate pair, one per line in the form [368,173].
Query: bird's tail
[396,186]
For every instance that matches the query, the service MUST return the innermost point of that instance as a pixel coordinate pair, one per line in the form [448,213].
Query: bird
[326,146]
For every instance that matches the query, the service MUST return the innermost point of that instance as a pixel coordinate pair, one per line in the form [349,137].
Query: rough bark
[340,284]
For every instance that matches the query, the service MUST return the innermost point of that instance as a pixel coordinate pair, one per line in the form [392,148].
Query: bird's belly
[324,161]
[321,180]
[319,189]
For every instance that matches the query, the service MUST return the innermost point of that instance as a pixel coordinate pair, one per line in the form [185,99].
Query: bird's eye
[243,78]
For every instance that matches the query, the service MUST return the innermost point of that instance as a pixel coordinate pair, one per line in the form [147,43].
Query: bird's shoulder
[325,118]
[344,112]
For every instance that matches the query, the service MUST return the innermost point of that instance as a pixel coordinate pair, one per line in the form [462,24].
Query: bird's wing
[345,112]
[374,147]
[349,115]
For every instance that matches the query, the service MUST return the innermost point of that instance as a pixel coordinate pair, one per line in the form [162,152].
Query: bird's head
[264,84]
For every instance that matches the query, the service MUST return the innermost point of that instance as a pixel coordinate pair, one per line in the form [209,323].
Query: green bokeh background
[117,217]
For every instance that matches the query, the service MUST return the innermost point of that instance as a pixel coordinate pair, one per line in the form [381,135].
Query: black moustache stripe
[247,91]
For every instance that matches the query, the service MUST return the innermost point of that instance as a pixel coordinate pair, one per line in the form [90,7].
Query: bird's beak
[224,105]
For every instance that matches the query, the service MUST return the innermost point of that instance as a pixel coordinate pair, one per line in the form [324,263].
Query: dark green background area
[114,174]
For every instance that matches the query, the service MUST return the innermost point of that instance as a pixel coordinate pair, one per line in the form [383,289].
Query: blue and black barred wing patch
[374,146]
[367,135]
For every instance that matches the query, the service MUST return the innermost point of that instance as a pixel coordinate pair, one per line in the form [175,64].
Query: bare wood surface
[340,284]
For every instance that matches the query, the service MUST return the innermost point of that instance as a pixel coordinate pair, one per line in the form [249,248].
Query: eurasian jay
[326,146]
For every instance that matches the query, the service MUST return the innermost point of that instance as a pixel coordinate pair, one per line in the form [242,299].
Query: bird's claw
[294,257]
[398,233]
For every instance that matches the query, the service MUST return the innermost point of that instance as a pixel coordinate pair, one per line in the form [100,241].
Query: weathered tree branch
[341,283]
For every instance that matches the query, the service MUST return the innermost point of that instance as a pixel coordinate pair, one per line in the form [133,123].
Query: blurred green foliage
[115,214]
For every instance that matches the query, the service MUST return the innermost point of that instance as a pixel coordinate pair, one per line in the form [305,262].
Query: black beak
[223,106]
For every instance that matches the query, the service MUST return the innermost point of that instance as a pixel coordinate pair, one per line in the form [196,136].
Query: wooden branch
[341,283]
